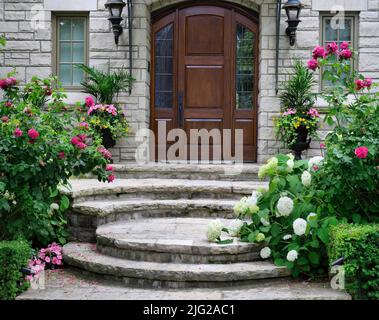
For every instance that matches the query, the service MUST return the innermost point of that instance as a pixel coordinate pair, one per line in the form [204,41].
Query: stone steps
[91,189]
[177,240]
[188,171]
[169,275]
[70,284]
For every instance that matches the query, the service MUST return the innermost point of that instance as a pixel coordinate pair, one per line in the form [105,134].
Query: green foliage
[297,91]
[13,256]
[105,87]
[286,181]
[359,245]
[352,182]
[31,169]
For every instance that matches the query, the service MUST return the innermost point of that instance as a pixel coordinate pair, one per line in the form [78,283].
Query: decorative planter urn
[108,140]
[302,143]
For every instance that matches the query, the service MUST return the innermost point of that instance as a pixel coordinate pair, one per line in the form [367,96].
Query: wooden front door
[204,76]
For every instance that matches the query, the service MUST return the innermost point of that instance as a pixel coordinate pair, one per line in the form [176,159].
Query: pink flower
[361,152]
[346,54]
[315,167]
[313,113]
[368,82]
[359,84]
[8,104]
[7,83]
[75,141]
[47,259]
[81,145]
[55,260]
[289,111]
[90,102]
[106,154]
[109,168]
[5,119]
[313,64]
[111,178]
[319,52]
[33,134]
[111,109]
[61,155]
[83,125]
[17,133]
[322,146]
[82,137]
[344,45]
[332,48]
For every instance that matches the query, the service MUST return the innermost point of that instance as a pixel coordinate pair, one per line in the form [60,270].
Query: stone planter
[302,143]
[108,140]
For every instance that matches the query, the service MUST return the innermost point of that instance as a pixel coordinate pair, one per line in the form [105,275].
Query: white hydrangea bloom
[292,255]
[251,201]
[272,163]
[265,253]
[214,230]
[240,207]
[265,222]
[235,227]
[290,165]
[256,194]
[287,237]
[312,216]
[54,206]
[291,156]
[299,226]
[284,207]
[260,237]
[315,161]
[306,178]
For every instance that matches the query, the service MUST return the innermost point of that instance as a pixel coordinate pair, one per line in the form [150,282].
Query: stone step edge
[121,206]
[125,186]
[84,255]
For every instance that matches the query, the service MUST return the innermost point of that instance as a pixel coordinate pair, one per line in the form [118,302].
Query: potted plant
[103,113]
[299,119]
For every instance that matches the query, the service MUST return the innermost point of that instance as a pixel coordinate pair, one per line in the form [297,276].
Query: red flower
[368,82]
[33,134]
[346,54]
[48,91]
[75,141]
[318,52]
[313,64]
[8,104]
[90,102]
[5,119]
[344,45]
[81,145]
[17,133]
[332,48]
[359,84]
[61,155]
[361,152]
[106,153]
[82,137]
[111,178]
[109,168]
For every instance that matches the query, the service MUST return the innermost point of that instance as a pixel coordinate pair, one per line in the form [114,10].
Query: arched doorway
[204,75]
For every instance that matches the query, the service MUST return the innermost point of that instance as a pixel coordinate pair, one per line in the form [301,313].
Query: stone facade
[27,26]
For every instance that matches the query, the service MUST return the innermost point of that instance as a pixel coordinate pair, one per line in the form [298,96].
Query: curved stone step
[190,171]
[85,217]
[179,240]
[90,189]
[172,275]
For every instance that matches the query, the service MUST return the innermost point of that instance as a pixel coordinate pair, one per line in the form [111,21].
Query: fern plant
[105,87]
[297,91]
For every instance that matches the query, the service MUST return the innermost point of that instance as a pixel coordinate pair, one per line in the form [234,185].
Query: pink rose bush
[361,152]
[41,147]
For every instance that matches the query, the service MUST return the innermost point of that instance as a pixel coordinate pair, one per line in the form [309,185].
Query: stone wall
[27,26]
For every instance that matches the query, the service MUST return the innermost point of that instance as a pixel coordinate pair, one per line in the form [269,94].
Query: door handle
[180,109]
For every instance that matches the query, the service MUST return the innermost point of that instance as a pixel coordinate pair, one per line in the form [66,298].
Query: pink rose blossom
[315,167]
[332,48]
[81,145]
[322,146]
[82,137]
[359,84]
[346,54]
[84,125]
[289,112]
[368,82]
[344,45]
[313,64]
[361,152]
[17,133]
[8,104]
[106,153]
[90,102]
[111,178]
[313,113]
[61,155]
[47,259]
[33,134]
[75,141]
[109,168]
[319,52]
[111,109]
[54,260]
[7,83]
[4,119]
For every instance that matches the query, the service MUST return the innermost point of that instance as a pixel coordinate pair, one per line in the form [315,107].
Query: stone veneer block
[70,5]
[348,5]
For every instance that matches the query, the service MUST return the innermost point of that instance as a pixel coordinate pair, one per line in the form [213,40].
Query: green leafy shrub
[289,216]
[41,146]
[13,256]
[351,170]
[359,245]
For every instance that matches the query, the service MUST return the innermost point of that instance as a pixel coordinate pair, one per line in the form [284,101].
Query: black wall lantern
[293,9]
[115,8]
